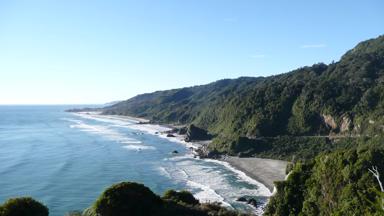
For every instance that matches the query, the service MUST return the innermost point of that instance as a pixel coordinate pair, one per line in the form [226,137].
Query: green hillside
[338,183]
[343,99]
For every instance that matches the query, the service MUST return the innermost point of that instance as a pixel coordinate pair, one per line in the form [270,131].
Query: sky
[93,51]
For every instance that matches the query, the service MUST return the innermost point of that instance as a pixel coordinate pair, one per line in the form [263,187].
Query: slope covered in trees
[345,98]
[338,183]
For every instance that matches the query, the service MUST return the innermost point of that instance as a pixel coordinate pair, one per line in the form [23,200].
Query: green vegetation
[337,183]
[24,206]
[345,98]
[183,197]
[327,119]
[127,198]
[291,148]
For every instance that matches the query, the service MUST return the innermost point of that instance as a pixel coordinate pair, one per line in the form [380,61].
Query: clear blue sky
[78,51]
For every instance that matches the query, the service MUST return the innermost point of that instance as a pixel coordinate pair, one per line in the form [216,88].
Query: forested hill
[343,97]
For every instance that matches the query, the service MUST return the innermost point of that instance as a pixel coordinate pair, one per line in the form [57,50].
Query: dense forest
[255,116]
[338,183]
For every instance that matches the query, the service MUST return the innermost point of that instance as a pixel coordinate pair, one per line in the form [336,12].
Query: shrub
[182,196]
[24,206]
[128,198]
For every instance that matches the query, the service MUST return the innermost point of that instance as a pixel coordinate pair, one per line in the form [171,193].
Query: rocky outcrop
[251,201]
[182,130]
[329,121]
[203,152]
[242,199]
[346,124]
[195,134]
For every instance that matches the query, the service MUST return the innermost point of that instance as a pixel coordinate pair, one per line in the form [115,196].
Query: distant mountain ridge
[112,103]
[342,98]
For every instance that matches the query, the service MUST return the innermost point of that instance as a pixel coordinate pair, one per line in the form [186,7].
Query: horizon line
[49,104]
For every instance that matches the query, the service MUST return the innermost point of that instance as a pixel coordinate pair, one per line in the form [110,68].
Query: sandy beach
[265,171]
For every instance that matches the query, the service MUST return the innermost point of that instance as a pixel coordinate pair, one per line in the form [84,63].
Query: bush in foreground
[183,197]
[133,199]
[24,206]
[127,198]
[338,183]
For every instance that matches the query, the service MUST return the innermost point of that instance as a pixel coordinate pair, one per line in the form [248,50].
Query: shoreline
[263,172]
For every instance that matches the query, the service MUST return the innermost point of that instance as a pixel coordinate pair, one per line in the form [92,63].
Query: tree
[128,198]
[376,174]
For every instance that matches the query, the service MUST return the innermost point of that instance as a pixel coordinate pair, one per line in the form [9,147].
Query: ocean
[66,161]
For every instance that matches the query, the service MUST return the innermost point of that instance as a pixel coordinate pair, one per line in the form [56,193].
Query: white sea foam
[215,179]
[126,122]
[163,171]
[107,119]
[200,187]
[139,147]
[109,133]
[262,189]
[206,193]
[72,120]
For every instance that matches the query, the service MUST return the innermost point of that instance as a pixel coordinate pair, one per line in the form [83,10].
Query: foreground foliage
[127,198]
[337,183]
[24,206]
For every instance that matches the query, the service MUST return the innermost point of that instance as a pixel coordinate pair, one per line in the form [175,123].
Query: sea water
[66,161]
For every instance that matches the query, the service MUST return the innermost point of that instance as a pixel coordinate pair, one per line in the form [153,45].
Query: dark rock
[175,152]
[213,154]
[244,154]
[253,202]
[196,133]
[183,130]
[170,135]
[174,130]
[242,199]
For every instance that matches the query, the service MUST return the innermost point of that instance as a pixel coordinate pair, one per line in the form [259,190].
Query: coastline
[263,172]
